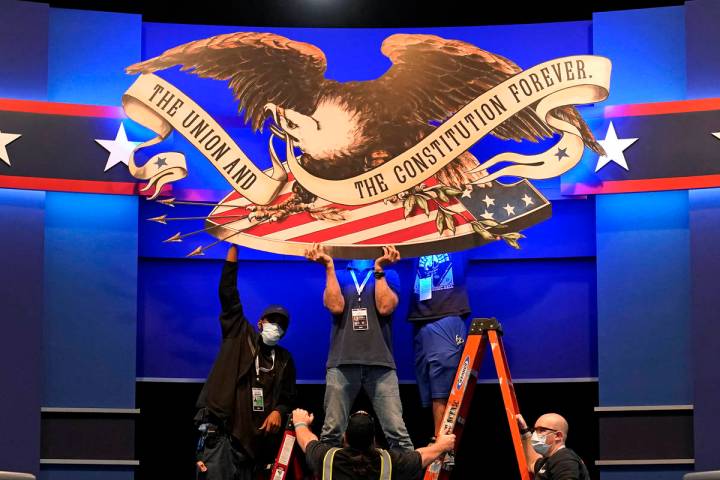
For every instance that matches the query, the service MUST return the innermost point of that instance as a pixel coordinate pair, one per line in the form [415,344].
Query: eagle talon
[274,213]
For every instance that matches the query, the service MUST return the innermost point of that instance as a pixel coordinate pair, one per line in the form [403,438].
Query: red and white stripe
[377,223]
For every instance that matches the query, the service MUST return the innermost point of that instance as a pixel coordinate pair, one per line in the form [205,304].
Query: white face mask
[271,334]
[538,443]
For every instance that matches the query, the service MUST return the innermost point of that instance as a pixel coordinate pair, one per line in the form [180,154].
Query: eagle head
[330,137]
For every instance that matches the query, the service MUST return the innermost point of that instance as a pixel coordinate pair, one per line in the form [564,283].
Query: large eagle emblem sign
[376,162]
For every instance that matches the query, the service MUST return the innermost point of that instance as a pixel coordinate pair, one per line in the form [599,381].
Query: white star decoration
[716,135]
[487,215]
[488,201]
[5,139]
[120,148]
[509,209]
[528,201]
[614,147]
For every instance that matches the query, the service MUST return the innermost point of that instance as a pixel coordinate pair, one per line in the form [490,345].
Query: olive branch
[330,214]
[420,195]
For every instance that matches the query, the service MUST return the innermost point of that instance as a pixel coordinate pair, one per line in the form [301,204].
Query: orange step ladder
[482,331]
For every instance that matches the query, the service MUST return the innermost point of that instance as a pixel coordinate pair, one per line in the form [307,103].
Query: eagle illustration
[346,128]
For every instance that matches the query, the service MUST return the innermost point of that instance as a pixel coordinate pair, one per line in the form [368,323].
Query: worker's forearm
[531,456]
[429,454]
[333,297]
[304,436]
[228,292]
[385,298]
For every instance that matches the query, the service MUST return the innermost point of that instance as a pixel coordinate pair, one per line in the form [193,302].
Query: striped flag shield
[497,207]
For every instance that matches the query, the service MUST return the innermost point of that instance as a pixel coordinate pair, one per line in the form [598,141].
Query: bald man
[545,451]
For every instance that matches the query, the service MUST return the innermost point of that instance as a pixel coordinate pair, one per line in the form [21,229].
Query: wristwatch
[379,275]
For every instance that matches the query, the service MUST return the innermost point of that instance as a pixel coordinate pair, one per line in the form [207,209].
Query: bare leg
[438,409]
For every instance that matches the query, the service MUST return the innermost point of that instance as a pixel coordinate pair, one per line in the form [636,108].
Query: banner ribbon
[159,106]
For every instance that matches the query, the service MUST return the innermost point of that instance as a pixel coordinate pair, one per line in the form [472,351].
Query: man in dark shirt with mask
[545,452]
[250,389]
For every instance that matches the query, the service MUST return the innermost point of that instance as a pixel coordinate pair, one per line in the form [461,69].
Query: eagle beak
[271,110]
[276,112]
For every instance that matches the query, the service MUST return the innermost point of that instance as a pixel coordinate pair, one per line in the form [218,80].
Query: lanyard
[257,363]
[360,287]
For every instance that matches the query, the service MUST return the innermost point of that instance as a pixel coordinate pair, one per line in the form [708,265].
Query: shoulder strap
[328,463]
[385,464]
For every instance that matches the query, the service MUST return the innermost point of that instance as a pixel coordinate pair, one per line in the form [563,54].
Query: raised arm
[332,296]
[302,421]
[232,318]
[386,300]
[229,296]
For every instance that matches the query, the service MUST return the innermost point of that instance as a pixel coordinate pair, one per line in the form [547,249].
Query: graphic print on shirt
[436,271]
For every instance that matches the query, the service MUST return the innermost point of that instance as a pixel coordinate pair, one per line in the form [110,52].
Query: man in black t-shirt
[545,452]
[438,310]
[359,459]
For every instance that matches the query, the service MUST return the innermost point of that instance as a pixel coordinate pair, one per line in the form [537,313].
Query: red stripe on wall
[65,185]
[54,108]
[662,108]
[648,185]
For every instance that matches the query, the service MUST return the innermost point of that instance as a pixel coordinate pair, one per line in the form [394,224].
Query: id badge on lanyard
[359,319]
[359,314]
[258,400]
[425,288]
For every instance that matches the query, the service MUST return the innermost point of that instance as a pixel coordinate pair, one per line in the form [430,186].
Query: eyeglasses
[541,430]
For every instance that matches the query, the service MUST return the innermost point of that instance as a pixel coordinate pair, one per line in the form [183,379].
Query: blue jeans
[343,383]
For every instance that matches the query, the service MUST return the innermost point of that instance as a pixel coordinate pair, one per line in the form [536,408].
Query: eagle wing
[434,77]
[261,68]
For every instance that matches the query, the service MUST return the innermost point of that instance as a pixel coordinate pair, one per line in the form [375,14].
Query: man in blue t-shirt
[438,309]
[361,298]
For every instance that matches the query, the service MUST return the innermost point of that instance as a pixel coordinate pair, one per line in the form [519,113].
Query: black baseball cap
[360,431]
[278,310]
